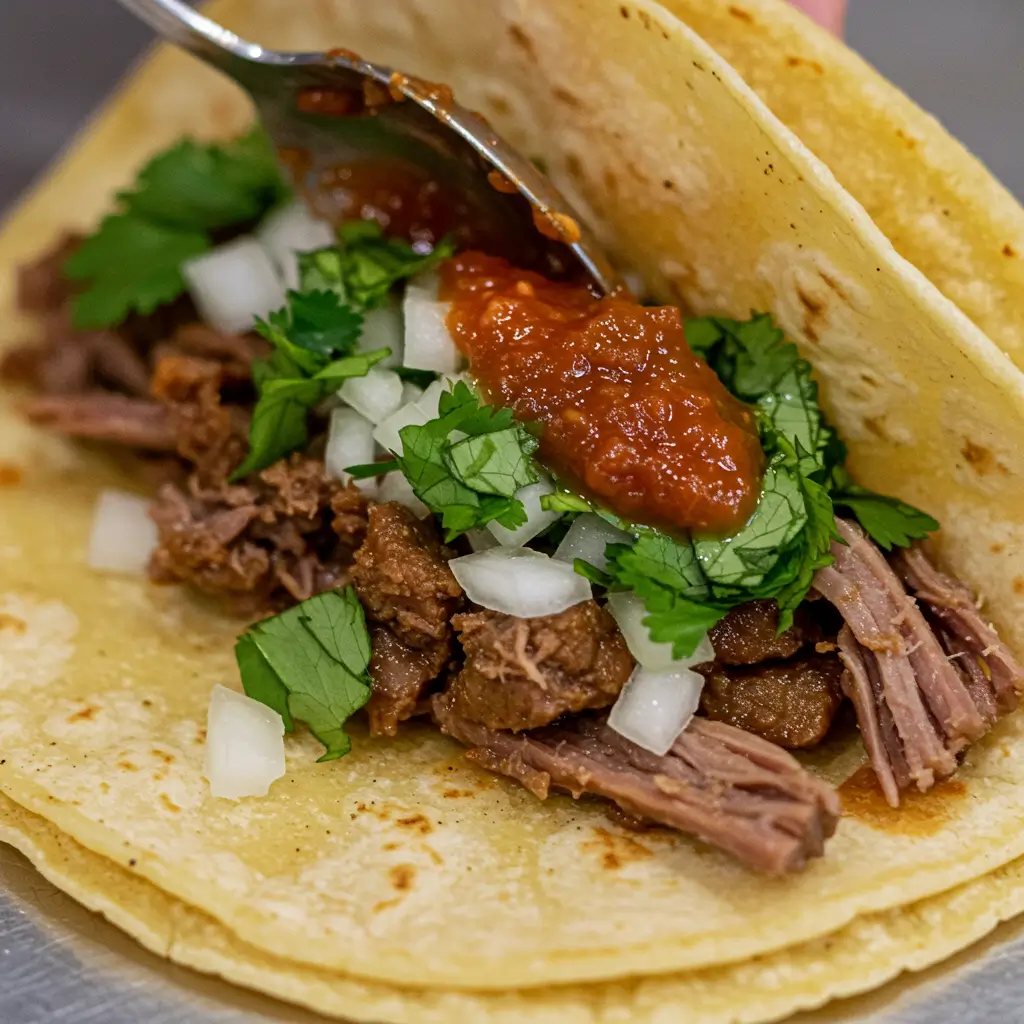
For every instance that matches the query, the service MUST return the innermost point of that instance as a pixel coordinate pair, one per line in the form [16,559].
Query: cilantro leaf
[745,559]
[888,521]
[371,469]
[131,265]
[278,427]
[565,501]
[497,462]
[306,334]
[320,323]
[310,665]
[365,265]
[467,464]
[206,188]
[132,262]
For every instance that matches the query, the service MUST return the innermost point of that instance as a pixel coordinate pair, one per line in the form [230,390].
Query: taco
[511,576]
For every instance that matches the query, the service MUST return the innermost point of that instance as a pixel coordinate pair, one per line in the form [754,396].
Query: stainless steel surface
[428,128]
[58,59]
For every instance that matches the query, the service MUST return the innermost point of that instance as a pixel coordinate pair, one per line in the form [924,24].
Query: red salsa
[628,411]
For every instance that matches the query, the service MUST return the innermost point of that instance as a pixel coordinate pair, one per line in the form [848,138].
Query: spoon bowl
[327,110]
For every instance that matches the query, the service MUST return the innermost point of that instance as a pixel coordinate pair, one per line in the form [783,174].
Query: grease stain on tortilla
[919,814]
[615,851]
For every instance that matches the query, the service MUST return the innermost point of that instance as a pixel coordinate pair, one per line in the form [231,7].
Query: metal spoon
[429,128]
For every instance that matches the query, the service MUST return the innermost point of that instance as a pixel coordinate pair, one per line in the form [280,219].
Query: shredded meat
[104,416]
[727,787]
[988,666]
[791,703]
[249,547]
[749,634]
[522,673]
[917,711]
[409,594]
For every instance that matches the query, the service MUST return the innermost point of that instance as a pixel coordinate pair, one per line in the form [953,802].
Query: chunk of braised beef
[409,595]
[791,703]
[523,673]
[734,790]
[402,577]
[401,677]
[749,634]
[282,537]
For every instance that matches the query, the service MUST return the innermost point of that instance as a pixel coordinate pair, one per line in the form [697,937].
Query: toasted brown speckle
[417,823]
[799,62]
[402,877]
[740,14]
[1009,251]
[10,476]
[86,714]
[12,624]
[522,40]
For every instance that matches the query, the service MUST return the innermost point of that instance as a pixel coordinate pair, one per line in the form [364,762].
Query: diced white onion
[244,745]
[395,487]
[629,612]
[410,393]
[233,284]
[537,518]
[428,344]
[587,538]
[481,539]
[375,396]
[123,536]
[386,433]
[428,401]
[655,706]
[382,328]
[349,443]
[289,231]
[520,582]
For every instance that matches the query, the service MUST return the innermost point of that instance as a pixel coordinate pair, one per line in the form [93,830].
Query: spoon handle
[178,22]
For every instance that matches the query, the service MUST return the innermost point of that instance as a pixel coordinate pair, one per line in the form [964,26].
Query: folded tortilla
[937,203]
[869,952]
[399,864]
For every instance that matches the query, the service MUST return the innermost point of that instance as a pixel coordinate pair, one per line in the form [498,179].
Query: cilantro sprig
[310,665]
[313,341]
[467,464]
[688,583]
[365,265]
[180,199]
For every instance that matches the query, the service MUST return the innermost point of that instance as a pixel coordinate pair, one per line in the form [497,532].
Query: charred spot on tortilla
[402,877]
[518,36]
[802,62]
